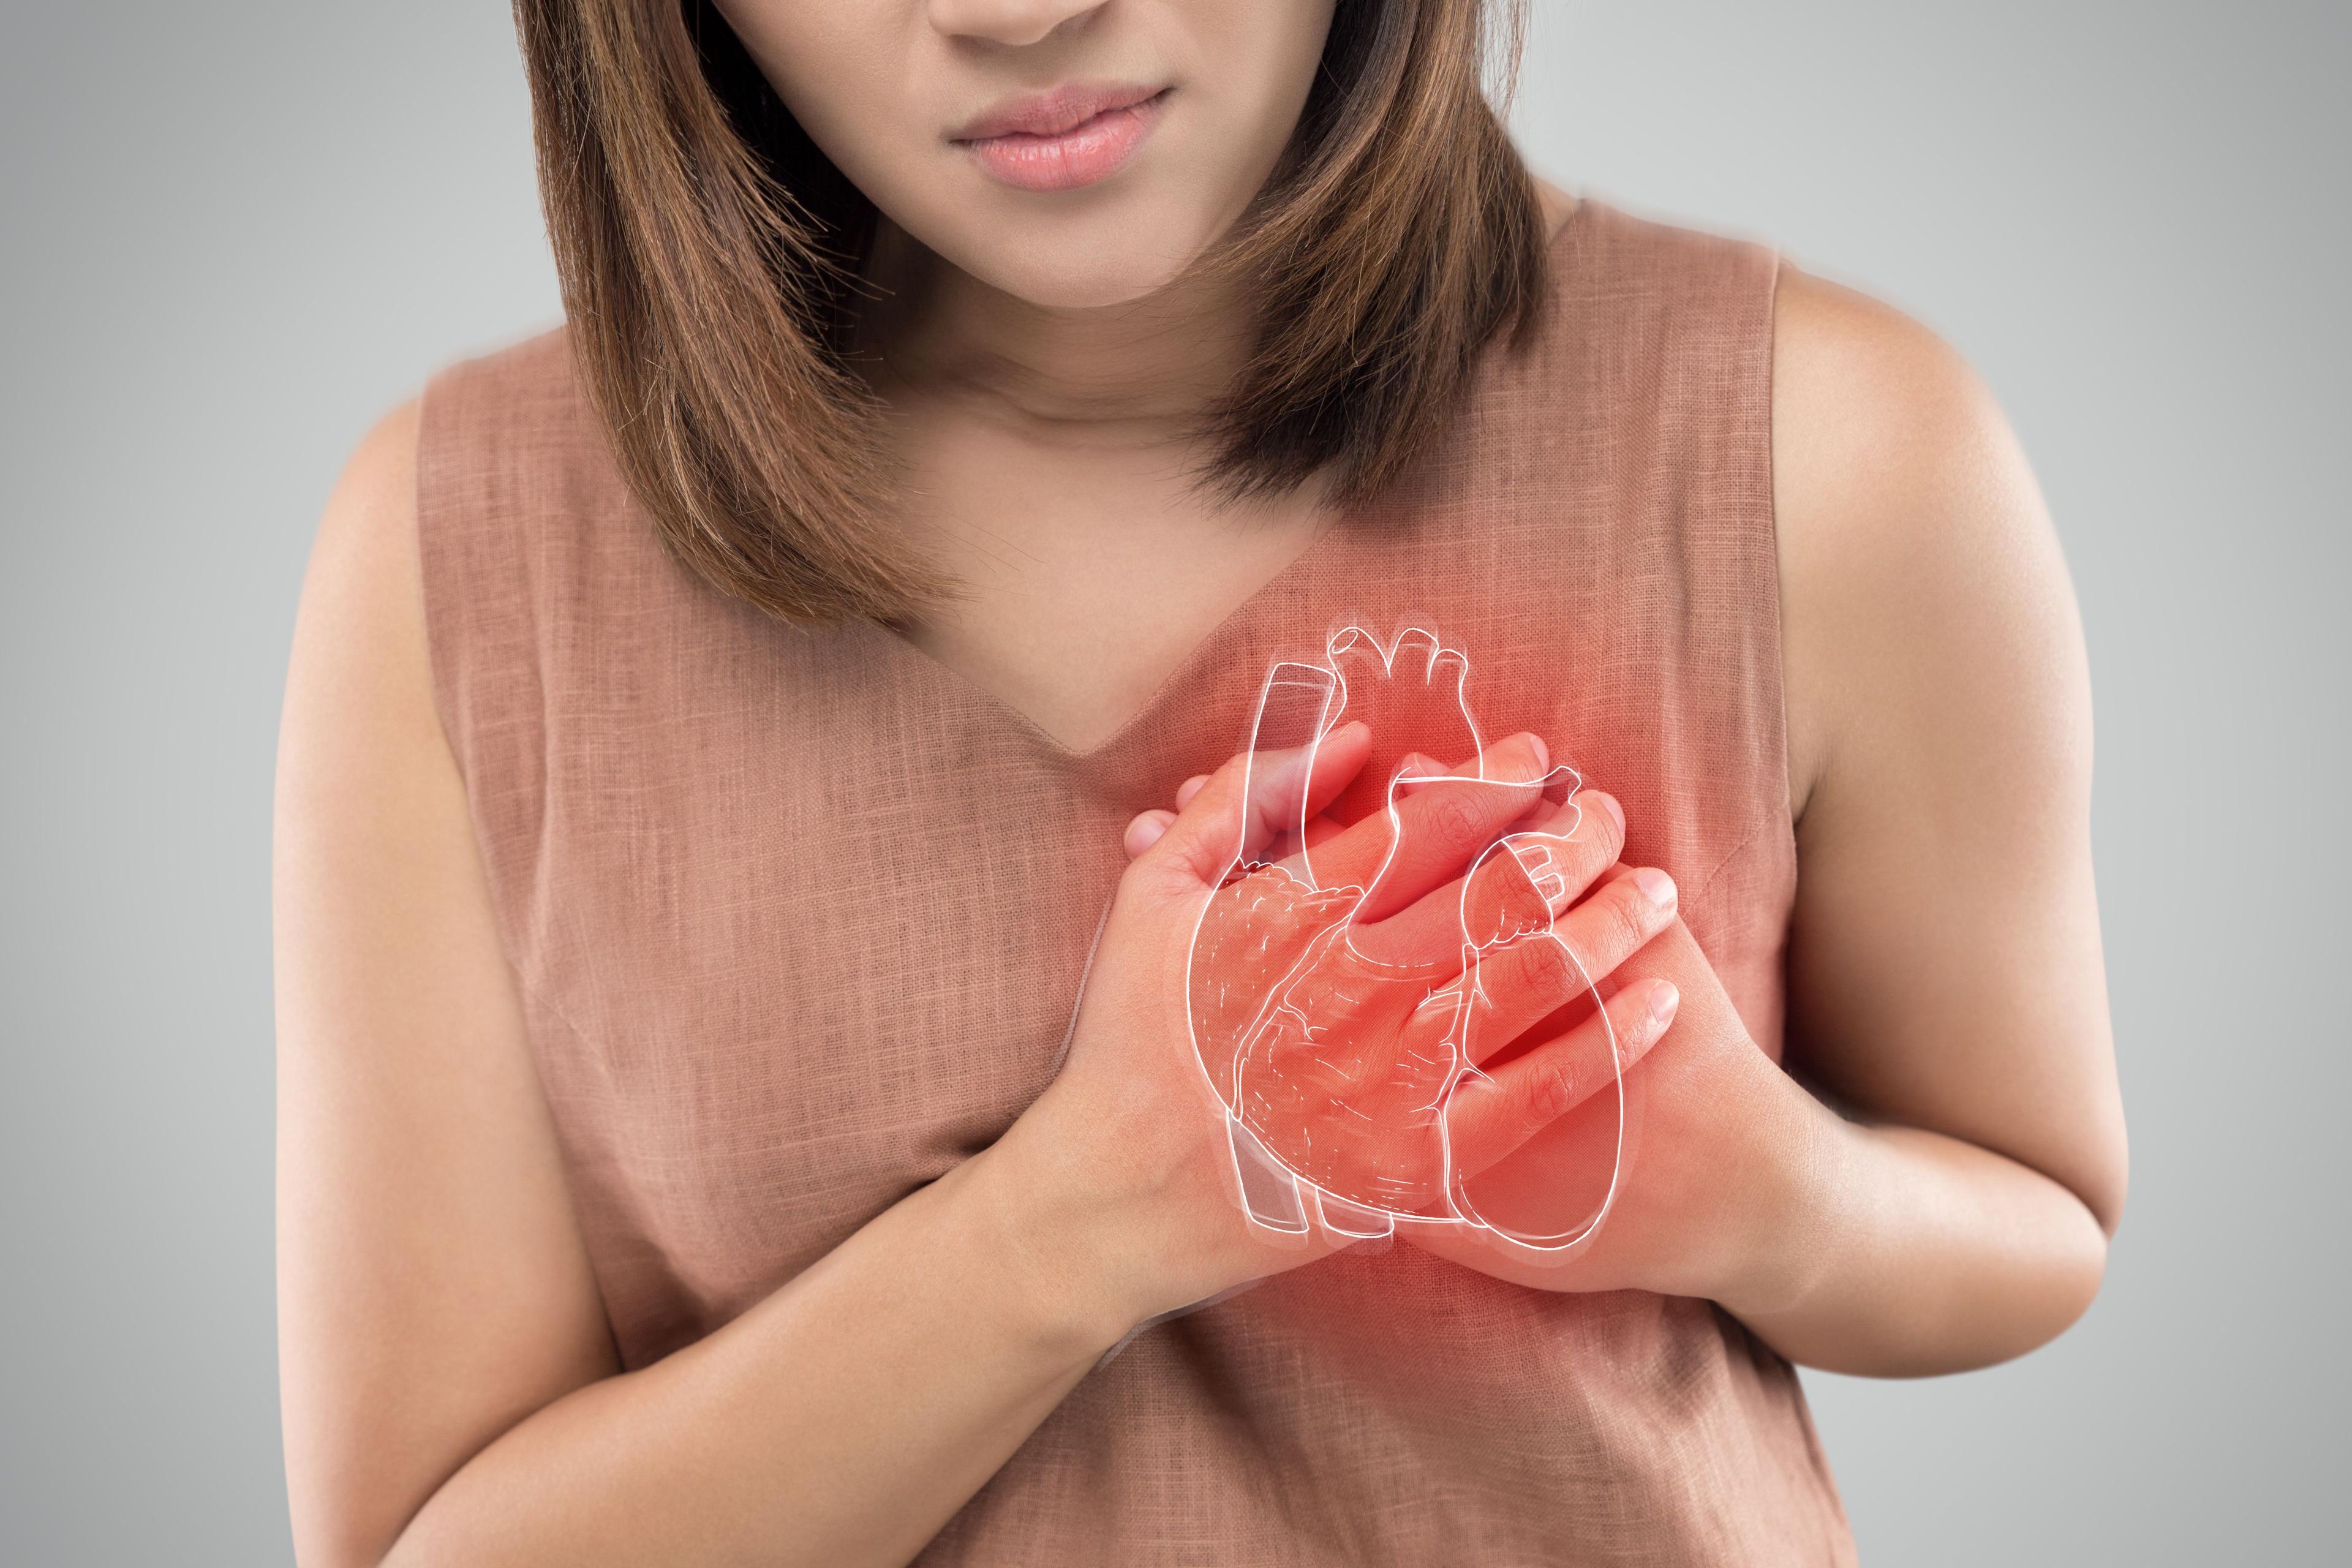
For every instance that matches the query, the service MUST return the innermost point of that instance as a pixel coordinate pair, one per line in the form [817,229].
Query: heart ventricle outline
[1336,1071]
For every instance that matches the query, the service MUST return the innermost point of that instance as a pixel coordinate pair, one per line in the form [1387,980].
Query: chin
[1103,261]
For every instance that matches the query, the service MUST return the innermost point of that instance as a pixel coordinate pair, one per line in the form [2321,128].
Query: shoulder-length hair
[708,251]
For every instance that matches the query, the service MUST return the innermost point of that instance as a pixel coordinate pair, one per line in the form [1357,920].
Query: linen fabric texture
[799,918]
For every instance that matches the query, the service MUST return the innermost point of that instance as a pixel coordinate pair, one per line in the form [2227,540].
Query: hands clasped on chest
[1350,991]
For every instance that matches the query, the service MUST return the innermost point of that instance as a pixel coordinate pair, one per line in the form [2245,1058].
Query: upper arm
[432,1286]
[1945,967]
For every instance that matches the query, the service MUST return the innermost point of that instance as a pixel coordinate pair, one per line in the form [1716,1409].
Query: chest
[806,914]
[1086,574]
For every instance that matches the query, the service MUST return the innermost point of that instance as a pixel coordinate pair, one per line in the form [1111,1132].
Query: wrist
[1035,1220]
[1802,1194]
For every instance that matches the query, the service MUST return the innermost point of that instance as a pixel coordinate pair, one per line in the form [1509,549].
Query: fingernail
[1415,771]
[1657,886]
[1616,813]
[1664,1000]
[1143,833]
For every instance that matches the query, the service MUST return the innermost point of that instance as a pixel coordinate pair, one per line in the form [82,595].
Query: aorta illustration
[1338,1059]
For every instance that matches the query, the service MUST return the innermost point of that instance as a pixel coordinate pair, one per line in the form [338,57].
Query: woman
[710,734]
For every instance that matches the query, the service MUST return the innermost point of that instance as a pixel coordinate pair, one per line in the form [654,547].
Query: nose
[1011,22]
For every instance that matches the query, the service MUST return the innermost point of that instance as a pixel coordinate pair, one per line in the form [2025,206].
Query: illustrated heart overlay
[1338,1060]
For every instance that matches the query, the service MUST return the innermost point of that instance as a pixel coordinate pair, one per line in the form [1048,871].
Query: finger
[1438,830]
[1322,830]
[1523,982]
[1582,838]
[1451,821]
[1188,789]
[1288,851]
[1491,1115]
[1247,804]
[1145,831]
[1416,770]
[1559,857]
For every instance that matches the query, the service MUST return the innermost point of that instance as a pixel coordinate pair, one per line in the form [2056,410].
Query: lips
[1073,136]
[1056,112]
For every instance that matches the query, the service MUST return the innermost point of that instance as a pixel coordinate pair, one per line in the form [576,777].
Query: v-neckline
[1349,519]
[1346,521]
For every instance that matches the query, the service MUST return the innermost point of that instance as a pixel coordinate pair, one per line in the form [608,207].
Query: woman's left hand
[1722,1151]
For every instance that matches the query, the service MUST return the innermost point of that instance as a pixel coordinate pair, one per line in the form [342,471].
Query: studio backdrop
[235,234]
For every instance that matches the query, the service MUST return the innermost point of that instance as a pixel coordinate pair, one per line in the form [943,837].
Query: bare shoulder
[377,489]
[358,680]
[432,1286]
[360,657]
[1939,733]
[1918,562]
[1868,403]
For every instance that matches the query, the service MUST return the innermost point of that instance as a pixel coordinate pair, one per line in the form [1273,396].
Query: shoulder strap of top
[1613,473]
[1680,386]
[1605,508]
[517,505]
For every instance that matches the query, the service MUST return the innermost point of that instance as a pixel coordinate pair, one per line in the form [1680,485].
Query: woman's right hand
[1122,1172]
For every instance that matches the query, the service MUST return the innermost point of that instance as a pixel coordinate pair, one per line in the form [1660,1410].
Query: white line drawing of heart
[1337,1128]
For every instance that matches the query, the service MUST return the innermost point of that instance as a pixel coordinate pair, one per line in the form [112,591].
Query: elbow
[351,1532]
[2073,1270]
[2070,1257]
[2057,1277]
[342,1542]
[2103,1196]
[2009,1307]
[331,1548]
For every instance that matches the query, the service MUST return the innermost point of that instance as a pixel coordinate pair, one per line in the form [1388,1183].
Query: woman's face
[1069,153]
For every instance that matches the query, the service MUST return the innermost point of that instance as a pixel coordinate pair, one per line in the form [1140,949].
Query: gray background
[231,236]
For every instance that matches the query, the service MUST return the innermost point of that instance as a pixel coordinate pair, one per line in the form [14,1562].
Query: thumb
[1251,801]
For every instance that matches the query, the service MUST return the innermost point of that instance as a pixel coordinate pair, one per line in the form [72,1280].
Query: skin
[449,1383]
[1045,355]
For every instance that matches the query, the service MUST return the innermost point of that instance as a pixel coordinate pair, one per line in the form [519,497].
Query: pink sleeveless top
[800,915]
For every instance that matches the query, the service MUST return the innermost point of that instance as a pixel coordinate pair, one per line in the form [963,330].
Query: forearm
[841,1421]
[1904,1253]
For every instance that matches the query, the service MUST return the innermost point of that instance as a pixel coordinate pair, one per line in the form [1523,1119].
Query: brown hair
[709,253]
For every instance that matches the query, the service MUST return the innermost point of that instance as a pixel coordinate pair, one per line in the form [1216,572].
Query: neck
[1142,372]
